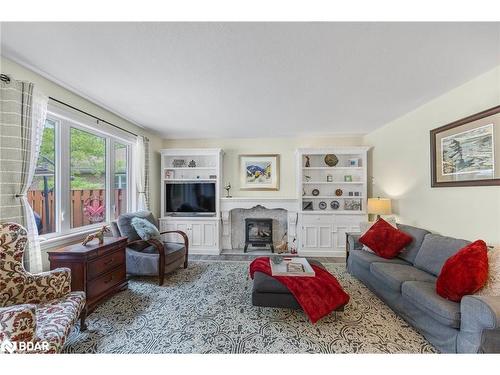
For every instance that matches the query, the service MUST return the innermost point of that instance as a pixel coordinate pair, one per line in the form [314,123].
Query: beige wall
[284,146]
[400,166]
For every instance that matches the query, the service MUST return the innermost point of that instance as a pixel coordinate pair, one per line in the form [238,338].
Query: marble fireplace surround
[280,210]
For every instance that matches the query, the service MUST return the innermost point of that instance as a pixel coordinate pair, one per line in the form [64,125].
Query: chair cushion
[424,297]
[385,240]
[410,251]
[394,275]
[365,258]
[55,319]
[464,273]
[173,251]
[145,229]
[435,250]
[125,223]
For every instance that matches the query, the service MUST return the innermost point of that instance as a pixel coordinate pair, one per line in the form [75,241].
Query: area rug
[207,309]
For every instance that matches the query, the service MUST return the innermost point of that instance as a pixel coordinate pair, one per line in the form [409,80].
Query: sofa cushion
[365,258]
[435,250]
[394,275]
[464,273]
[410,251]
[385,240]
[125,223]
[423,296]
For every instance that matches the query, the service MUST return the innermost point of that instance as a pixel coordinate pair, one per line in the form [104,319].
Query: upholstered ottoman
[269,292]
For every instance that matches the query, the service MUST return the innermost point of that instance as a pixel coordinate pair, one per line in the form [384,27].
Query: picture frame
[348,178]
[260,172]
[169,174]
[352,205]
[466,152]
[353,162]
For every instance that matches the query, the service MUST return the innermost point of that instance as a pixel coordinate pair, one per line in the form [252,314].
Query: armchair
[151,257]
[34,308]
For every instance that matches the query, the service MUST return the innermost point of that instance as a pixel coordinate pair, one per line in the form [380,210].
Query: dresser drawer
[104,282]
[103,264]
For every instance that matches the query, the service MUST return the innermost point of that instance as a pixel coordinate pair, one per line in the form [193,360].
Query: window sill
[68,238]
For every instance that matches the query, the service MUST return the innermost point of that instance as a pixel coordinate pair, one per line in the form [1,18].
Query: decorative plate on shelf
[339,192]
[315,192]
[322,205]
[331,160]
[335,205]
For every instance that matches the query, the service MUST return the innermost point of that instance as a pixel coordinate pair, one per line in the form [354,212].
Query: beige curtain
[22,114]
[142,173]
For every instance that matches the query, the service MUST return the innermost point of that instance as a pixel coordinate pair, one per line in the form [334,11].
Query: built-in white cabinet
[203,234]
[332,196]
[192,166]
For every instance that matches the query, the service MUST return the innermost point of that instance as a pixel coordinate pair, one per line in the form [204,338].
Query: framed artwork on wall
[260,172]
[467,152]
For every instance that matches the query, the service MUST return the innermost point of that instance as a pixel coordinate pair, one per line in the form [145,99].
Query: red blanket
[318,295]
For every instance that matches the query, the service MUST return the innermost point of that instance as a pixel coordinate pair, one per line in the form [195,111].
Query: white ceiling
[196,80]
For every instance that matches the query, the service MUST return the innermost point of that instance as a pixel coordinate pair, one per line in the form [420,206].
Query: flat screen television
[193,198]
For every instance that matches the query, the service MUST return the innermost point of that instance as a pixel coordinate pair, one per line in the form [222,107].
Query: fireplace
[258,233]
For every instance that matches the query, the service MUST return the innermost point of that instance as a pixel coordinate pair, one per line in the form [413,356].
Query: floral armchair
[37,310]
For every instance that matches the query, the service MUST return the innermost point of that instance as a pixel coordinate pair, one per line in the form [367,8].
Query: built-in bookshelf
[332,196]
[332,180]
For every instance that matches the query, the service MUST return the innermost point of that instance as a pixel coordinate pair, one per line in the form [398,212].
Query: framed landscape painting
[467,152]
[259,172]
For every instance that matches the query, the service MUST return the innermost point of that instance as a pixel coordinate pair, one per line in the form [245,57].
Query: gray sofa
[407,284]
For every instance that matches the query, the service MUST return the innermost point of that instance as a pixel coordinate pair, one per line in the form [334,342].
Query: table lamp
[379,206]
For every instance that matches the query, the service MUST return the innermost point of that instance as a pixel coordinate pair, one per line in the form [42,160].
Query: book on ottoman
[292,267]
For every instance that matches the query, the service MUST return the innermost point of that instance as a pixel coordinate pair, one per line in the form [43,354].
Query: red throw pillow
[464,273]
[385,240]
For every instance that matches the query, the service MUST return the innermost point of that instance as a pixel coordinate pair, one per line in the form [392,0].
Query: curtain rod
[6,78]
[91,115]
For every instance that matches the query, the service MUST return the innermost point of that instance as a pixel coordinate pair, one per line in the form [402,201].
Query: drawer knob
[108,280]
[109,262]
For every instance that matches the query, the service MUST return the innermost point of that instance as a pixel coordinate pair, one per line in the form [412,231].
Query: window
[120,196]
[87,178]
[83,175]
[42,190]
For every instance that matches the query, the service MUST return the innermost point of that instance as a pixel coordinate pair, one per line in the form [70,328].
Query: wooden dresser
[98,270]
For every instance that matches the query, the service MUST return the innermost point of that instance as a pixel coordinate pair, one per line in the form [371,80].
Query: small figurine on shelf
[227,188]
[308,161]
[99,235]
[192,164]
[293,247]
[283,245]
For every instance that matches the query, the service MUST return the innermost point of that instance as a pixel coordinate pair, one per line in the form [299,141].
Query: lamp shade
[379,206]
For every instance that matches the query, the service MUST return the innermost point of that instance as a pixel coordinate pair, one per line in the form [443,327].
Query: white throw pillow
[492,286]
[365,225]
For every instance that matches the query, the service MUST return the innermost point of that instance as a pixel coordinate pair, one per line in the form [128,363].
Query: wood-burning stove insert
[258,233]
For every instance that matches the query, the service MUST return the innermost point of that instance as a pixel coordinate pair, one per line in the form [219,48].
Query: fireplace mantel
[228,204]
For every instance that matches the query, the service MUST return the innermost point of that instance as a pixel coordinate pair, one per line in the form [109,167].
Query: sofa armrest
[480,324]
[47,286]
[353,242]
[480,312]
[17,323]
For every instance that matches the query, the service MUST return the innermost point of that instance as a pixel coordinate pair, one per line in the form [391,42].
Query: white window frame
[65,120]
